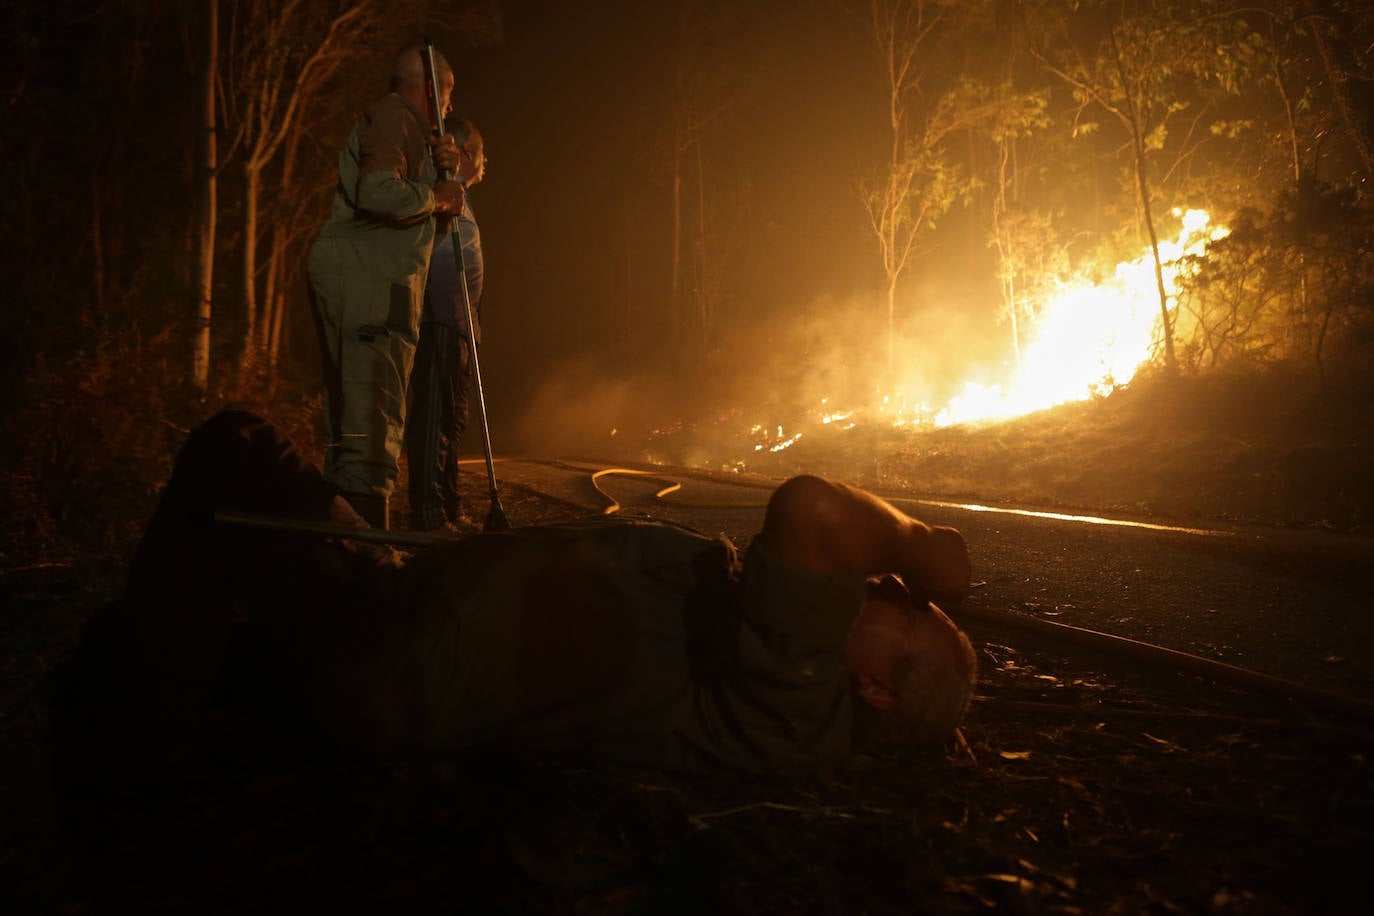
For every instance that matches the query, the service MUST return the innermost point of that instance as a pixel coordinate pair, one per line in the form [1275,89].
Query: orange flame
[1089,339]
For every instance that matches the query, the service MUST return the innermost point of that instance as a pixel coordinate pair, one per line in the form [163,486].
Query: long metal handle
[496,518]
[432,71]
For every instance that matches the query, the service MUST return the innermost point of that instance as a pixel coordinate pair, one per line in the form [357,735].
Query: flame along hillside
[1084,423]
[1089,339]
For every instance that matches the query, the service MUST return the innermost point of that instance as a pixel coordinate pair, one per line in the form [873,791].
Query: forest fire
[1086,338]
[1089,338]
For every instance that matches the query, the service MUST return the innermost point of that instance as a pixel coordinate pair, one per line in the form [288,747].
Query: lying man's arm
[828,526]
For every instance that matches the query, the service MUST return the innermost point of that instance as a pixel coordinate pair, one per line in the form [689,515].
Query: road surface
[1286,603]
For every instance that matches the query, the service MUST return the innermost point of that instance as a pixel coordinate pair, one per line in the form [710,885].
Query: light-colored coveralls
[367,277]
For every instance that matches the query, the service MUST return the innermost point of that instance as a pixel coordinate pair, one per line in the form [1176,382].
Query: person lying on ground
[625,640]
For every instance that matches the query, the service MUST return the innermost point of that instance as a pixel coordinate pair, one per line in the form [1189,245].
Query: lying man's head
[912,667]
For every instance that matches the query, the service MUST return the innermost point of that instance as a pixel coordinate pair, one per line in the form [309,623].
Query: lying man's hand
[945,571]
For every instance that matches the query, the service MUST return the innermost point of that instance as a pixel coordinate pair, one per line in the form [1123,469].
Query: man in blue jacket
[442,376]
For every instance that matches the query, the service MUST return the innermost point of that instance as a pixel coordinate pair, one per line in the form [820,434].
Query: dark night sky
[575,103]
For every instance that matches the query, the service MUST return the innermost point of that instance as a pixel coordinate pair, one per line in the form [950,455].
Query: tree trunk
[98,280]
[1321,344]
[279,241]
[628,325]
[271,299]
[675,298]
[205,259]
[891,322]
[251,186]
[1147,217]
[1015,324]
[271,277]
[1005,245]
[1291,120]
[190,174]
[704,304]
[274,344]
[1336,78]
[274,298]
[1132,119]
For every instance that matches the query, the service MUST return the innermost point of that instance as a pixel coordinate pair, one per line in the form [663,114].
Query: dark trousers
[439,386]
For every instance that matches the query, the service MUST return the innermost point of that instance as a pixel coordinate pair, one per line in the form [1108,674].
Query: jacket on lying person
[628,640]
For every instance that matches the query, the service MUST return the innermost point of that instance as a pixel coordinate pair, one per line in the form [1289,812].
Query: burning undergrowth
[1084,416]
[758,390]
[842,366]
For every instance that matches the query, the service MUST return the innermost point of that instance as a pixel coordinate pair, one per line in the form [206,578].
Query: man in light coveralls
[367,278]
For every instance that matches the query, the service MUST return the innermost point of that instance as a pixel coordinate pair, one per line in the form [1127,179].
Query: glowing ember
[836,416]
[777,443]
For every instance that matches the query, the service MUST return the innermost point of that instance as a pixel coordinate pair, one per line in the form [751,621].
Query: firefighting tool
[496,518]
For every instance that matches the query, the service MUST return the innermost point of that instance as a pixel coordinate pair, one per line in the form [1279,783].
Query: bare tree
[918,184]
[1331,30]
[719,238]
[1023,239]
[1144,64]
[706,86]
[284,51]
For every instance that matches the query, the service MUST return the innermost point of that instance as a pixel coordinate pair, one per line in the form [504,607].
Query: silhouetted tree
[919,182]
[1144,63]
[207,198]
[1024,239]
[283,51]
[1337,28]
[1295,284]
[708,90]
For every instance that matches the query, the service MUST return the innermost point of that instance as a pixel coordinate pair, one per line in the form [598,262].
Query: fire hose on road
[1133,650]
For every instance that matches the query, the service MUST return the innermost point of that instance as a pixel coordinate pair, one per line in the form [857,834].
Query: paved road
[1286,603]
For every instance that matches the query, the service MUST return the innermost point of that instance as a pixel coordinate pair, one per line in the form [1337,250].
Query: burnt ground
[1080,784]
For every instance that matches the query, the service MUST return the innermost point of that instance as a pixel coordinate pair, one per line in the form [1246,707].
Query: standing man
[442,376]
[367,278]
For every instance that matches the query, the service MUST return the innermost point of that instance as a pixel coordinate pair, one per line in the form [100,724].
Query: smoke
[833,355]
[829,356]
[583,406]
